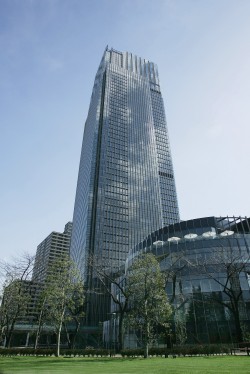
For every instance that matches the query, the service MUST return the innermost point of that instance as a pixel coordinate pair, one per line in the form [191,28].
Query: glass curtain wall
[126,186]
[207,264]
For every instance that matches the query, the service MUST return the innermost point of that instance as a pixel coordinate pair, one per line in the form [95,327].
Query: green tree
[149,306]
[64,296]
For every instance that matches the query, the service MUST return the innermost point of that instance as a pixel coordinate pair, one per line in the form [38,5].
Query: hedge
[185,350]
[52,352]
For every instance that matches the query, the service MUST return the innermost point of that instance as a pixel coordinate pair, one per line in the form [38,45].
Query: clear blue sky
[50,51]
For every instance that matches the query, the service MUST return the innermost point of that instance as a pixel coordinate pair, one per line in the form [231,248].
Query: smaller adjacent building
[207,267]
[18,310]
[50,249]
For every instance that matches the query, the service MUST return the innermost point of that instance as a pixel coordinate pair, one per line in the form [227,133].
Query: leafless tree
[113,283]
[16,293]
[225,266]
[172,265]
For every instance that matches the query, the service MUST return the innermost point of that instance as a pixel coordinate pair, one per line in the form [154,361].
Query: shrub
[178,350]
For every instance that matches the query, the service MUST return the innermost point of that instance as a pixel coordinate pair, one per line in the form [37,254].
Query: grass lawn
[194,365]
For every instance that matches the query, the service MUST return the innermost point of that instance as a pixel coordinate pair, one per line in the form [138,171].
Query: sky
[50,51]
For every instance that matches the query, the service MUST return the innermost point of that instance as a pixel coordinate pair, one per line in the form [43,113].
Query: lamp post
[114,321]
[112,334]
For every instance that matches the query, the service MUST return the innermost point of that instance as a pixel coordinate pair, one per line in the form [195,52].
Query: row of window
[118,187]
[117,162]
[112,208]
[118,129]
[111,235]
[113,194]
[113,141]
[118,170]
[117,179]
[116,216]
[118,202]
[116,158]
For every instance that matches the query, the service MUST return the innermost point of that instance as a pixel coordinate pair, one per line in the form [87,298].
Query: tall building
[49,250]
[126,185]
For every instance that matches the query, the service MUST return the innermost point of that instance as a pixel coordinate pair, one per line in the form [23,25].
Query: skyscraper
[126,187]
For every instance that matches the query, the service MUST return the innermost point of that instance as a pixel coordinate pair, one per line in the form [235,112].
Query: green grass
[194,365]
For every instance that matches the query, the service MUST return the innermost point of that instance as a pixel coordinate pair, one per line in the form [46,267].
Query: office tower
[126,186]
[50,249]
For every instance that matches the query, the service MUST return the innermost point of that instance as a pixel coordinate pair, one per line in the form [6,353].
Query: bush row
[185,350]
[52,351]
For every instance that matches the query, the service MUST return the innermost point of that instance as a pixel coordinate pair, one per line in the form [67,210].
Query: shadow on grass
[101,359]
[61,359]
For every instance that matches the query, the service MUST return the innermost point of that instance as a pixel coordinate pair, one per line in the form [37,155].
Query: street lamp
[112,334]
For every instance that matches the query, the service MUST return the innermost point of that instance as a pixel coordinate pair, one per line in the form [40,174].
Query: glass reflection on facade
[207,261]
[126,186]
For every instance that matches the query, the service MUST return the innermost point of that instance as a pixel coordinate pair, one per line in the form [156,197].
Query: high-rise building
[50,249]
[126,187]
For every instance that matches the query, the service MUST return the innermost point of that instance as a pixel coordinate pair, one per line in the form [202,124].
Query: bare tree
[17,294]
[113,283]
[76,312]
[225,266]
[172,266]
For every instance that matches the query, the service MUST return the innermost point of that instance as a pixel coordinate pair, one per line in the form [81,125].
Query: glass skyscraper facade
[126,187]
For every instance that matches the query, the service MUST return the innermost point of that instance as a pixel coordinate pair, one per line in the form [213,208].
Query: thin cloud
[53,64]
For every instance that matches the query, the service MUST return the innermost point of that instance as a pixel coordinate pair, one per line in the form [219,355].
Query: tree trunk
[120,332]
[8,339]
[59,334]
[58,341]
[38,333]
[239,334]
[67,335]
[9,334]
[37,337]
[78,324]
[146,349]
[147,336]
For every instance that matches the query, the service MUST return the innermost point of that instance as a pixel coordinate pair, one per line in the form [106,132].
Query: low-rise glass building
[207,266]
